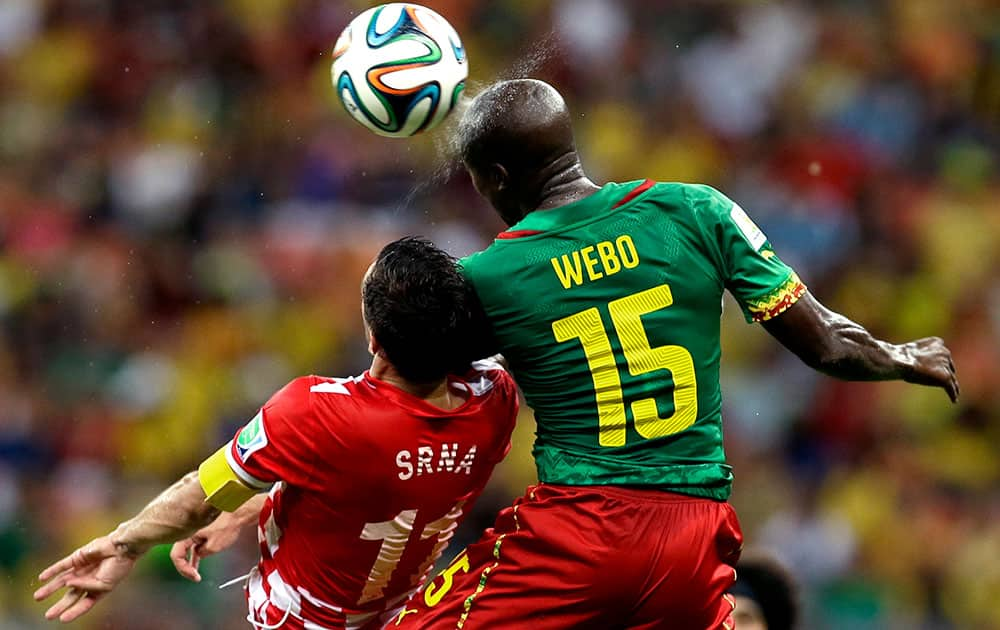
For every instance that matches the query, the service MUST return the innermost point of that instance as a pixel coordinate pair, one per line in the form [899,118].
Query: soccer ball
[399,69]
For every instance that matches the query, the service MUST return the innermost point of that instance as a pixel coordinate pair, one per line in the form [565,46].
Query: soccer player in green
[606,301]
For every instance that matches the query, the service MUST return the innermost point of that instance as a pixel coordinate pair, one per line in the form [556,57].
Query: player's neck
[438,394]
[563,182]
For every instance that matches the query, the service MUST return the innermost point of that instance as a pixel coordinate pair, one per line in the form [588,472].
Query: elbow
[200,511]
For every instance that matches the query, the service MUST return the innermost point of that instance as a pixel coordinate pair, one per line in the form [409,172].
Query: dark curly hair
[423,312]
[765,580]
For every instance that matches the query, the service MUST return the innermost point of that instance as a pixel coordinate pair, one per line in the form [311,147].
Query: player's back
[608,311]
[374,483]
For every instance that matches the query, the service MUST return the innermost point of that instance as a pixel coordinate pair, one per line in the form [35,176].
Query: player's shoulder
[699,197]
[484,268]
[477,263]
[707,200]
[299,396]
[293,396]
[702,204]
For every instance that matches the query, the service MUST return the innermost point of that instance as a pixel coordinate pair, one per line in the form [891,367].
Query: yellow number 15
[626,315]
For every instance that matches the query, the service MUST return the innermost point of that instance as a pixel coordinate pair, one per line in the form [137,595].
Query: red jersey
[374,482]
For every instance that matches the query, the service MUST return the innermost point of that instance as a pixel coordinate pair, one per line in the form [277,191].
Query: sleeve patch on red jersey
[252,438]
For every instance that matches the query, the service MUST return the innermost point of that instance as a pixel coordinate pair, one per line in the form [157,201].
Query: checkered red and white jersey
[374,482]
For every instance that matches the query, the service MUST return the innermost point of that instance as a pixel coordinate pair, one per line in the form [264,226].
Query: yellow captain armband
[223,488]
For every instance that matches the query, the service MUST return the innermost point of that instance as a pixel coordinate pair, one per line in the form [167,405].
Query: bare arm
[831,343]
[246,515]
[95,569]
[178,512]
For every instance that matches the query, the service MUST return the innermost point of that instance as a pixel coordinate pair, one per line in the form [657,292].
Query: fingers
[61,572]
[952,388]
[59,567]
[89,584]
[91,553]
[213,546]
[951,382]
[935,366]
[73,604]
[81,607]
[51,587]
[945,378]
[185,558]
[68,600]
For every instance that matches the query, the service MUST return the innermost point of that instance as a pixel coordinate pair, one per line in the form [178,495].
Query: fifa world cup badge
[750,231]
[252,438]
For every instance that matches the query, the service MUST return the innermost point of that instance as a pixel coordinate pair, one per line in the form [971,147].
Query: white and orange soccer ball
[399,69]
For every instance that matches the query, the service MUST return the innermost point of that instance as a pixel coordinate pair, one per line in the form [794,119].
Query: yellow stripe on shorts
[486,574]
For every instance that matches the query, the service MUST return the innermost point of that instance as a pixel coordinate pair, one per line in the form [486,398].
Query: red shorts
[590,557]
[288,608]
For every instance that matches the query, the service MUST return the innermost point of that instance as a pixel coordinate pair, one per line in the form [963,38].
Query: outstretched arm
[92,571]
[829,342]
[177,513]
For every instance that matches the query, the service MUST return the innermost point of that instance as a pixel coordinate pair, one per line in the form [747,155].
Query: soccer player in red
[606,302]
[369,475]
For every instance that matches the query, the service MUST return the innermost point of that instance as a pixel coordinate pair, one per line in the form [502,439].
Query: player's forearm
[178,512]
[248,513]
[852,353]
[833,344]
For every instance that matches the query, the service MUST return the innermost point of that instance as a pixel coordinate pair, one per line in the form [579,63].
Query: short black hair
[766,581]
[423,312]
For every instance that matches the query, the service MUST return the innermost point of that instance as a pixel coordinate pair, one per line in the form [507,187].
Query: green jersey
[608,309]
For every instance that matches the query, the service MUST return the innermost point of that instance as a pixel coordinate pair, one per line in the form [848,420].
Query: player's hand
[89,573]
[932,365]
[187,554]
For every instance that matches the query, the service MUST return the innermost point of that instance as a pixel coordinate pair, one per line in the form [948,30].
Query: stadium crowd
[186,213]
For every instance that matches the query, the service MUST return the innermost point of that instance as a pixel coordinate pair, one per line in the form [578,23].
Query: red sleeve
[278,444]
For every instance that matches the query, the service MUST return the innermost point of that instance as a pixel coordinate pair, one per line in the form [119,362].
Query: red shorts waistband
[624,492]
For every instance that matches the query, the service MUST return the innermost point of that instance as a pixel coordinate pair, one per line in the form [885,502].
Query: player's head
[512,139]
[420,311]
[765,595]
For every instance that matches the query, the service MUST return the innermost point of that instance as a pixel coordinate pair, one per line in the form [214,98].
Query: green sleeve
[464,264]
[763,285]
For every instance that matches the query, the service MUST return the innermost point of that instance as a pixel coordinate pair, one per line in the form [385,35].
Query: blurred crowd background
[186,213]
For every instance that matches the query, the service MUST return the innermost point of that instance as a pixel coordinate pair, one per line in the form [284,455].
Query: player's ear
[373,344]
[499,177]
